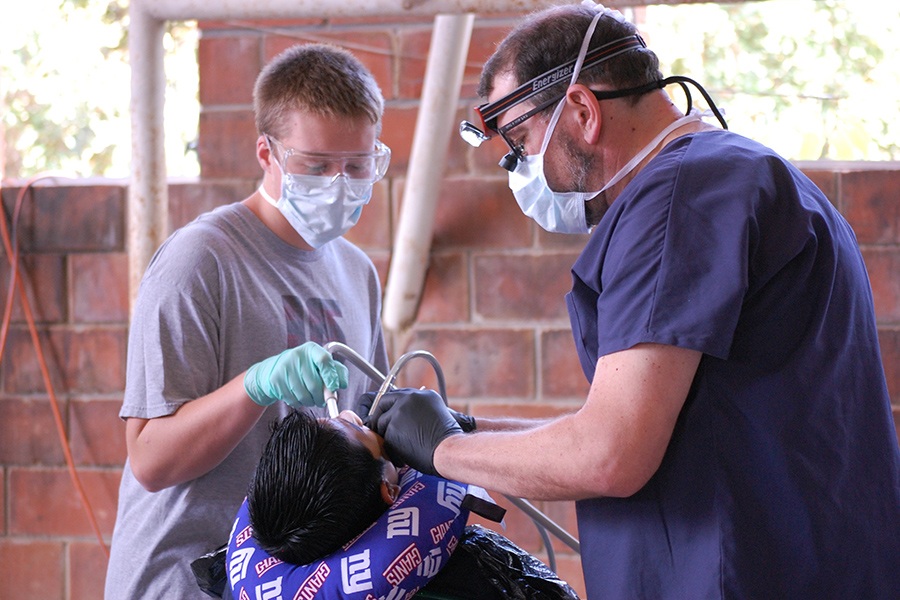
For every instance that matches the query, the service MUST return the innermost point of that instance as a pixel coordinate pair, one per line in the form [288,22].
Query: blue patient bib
[392,559]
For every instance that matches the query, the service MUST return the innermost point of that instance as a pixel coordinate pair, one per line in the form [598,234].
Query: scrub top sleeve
[676,269]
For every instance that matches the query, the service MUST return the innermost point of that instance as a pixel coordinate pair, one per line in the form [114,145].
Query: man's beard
[579,165]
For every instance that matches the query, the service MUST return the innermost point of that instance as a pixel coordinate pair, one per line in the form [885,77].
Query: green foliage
[806,77]
[811,79]
[64,88]
[37,139]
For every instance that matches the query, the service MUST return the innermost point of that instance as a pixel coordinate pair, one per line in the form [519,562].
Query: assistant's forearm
[191,442]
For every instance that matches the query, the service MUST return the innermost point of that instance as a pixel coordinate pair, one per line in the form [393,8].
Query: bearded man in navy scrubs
[737,439]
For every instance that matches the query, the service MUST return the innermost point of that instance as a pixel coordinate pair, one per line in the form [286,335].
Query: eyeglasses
[489,113]
[359,166]
[512,158]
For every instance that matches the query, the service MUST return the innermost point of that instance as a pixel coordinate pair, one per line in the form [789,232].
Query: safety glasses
[490,112]
[366,167]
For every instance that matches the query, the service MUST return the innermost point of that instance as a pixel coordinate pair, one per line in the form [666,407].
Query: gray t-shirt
[221,294]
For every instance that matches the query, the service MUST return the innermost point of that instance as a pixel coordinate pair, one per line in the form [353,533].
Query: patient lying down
[322,482]
[319,483]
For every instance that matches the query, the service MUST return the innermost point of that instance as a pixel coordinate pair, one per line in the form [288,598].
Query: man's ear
[389,491]
[264,154]
[587,111]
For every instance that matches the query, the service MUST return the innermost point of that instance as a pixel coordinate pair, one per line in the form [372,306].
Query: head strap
[490,112]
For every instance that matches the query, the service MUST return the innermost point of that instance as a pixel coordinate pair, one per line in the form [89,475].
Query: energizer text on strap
[525,91]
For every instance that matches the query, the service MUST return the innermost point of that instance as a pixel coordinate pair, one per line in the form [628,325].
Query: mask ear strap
[262,190]
[267,196]
[272,152]
[576,70]
[584,47]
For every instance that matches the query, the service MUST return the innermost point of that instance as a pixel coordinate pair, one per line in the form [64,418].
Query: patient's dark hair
[313,490]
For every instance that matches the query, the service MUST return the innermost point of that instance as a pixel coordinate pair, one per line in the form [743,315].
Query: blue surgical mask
[558,212]
[564,212]
[320,208]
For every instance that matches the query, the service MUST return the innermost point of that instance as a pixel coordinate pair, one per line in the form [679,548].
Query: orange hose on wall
[10,243]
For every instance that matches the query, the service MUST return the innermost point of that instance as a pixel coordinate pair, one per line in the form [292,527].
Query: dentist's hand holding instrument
[413,423]
[466,422]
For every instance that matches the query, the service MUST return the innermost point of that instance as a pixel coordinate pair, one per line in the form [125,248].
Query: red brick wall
[492,310]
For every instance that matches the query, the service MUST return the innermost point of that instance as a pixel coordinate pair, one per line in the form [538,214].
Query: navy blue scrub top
[782,478]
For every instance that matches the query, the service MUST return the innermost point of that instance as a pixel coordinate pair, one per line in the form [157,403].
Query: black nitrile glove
[413,423]
[364,404]
[466,422]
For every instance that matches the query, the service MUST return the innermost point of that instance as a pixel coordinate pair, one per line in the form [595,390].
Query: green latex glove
[298,377]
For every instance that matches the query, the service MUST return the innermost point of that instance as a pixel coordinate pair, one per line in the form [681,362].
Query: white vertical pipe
[434,124]
[147,192]
[2,137]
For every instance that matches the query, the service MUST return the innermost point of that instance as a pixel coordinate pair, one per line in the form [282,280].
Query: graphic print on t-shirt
[311,320]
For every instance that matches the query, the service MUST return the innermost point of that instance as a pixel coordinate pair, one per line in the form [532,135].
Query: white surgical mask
[564,212]
[558,212]
[320,208]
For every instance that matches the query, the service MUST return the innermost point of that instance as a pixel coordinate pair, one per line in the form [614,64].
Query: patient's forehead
[350,425]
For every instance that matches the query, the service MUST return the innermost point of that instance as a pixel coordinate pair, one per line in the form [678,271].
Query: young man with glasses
[231,311]
[737,439]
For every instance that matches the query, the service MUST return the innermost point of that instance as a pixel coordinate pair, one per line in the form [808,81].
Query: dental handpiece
[386,383]
[331,403]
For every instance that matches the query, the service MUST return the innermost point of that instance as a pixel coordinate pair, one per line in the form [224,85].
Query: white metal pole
[434,124]
[147,193]
[260,9]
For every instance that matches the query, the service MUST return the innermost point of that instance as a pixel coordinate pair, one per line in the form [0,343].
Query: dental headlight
[472,134]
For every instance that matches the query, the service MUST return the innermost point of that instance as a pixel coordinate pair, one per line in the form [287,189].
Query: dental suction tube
[386,382]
